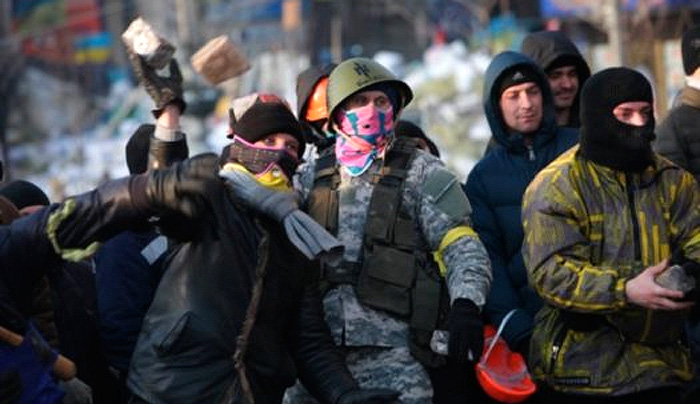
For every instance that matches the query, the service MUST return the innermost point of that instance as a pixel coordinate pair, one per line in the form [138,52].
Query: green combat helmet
[355,74]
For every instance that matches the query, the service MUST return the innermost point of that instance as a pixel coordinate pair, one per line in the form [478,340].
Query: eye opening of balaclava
[257,115]
[606,140]
[261,161]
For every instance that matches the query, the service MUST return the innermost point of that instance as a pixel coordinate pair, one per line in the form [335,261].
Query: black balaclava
[605,140]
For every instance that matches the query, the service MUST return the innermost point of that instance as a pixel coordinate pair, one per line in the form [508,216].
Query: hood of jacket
[514,142]
[545,47]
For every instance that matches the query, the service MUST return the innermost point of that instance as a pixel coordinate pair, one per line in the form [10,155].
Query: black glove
[163,90]
[369,396]
[185,188]
[466,332]
[523,347]
[692,269]
[10,387]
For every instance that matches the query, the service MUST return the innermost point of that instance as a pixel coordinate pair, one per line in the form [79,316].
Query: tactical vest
[397,273]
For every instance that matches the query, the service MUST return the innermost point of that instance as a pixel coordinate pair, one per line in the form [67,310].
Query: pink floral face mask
[365,133]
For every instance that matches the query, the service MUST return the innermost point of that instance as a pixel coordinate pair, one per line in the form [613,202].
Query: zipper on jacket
[635,222]
[530,152]
[637,244]
[556,347]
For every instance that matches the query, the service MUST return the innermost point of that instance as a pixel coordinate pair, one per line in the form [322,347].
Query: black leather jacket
[185,349]
[184,353]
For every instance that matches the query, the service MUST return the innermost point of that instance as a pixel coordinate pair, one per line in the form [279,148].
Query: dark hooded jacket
[495,188]
[185,353]
[188,339]
[677,136]
[545,48]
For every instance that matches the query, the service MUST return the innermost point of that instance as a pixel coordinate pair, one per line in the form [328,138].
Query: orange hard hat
[317,108]
[502,373]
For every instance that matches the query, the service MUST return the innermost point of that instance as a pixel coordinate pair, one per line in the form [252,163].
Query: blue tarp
[249,11]
[93,41]
[570,8]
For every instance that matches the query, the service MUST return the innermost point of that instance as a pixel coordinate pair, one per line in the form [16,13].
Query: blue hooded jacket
[128,270]
[495,189]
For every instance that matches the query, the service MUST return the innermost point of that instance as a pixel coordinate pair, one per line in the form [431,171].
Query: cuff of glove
[467,305]
[523,347]
[179,102]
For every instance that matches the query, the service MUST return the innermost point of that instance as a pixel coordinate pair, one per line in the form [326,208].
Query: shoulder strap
[385,203]
[323,198]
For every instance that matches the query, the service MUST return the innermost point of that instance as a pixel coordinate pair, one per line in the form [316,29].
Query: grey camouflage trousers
[380,367]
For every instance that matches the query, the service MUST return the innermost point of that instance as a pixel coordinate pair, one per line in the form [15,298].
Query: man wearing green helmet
[410,252]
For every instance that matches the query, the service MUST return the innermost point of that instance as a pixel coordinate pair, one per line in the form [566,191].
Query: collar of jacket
[643,179]
[690,96]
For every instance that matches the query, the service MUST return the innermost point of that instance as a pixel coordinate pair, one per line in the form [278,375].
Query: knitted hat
[391,92]
[690,48]
[516,75]
[137,149]
[23,193]
[257,115]
[606,140]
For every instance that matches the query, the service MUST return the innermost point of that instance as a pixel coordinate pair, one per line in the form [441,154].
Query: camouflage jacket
[588,230]
[468,269]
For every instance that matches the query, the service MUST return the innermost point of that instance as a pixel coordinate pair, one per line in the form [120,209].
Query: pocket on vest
[386,280]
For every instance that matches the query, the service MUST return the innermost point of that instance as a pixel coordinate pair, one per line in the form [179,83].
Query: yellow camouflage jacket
[588,230]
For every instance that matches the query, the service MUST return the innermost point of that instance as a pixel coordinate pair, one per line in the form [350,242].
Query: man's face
[521,107]
[363,98]
[564,83]
[366,113]
[635,113]
[28,210]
